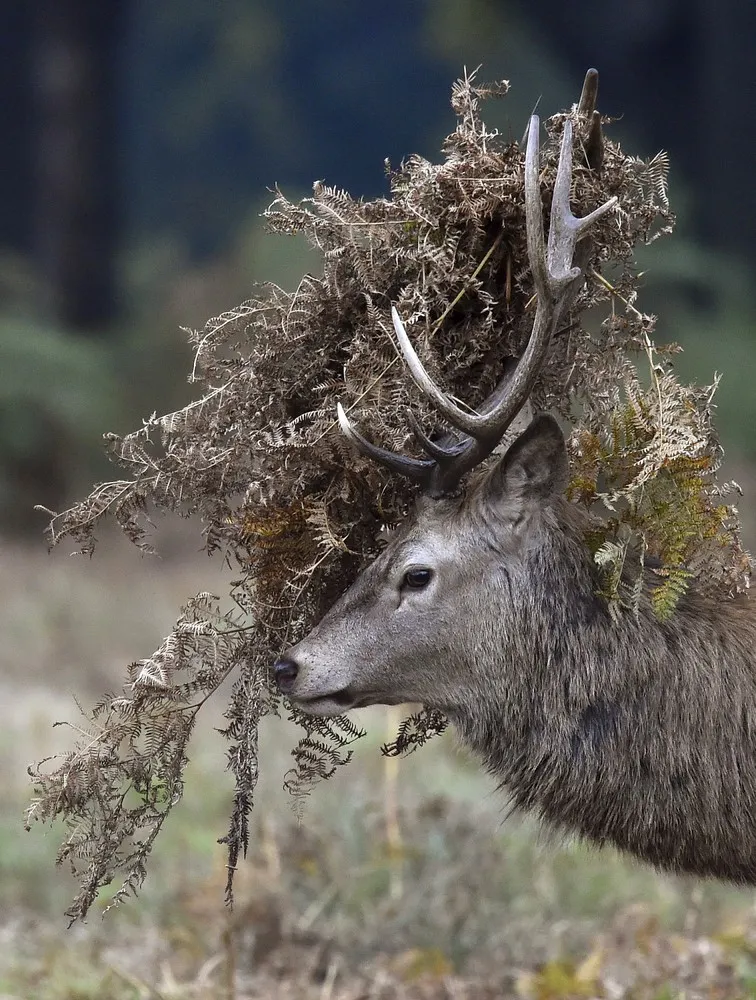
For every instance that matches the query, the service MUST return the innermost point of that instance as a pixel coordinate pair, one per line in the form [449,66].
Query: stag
[485,605]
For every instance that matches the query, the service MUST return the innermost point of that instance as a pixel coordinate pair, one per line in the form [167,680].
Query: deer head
[423,623]
[445,587]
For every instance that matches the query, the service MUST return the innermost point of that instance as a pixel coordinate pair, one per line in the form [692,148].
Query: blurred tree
[64,71]
[74,75]
[15,123]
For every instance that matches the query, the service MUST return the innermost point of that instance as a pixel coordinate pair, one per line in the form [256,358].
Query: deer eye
[417,578]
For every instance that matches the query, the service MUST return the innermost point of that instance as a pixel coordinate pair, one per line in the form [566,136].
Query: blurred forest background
[140,141]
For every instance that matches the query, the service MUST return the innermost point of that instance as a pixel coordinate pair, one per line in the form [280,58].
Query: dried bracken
[283,498]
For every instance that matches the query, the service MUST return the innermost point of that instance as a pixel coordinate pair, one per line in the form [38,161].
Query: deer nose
[285,671]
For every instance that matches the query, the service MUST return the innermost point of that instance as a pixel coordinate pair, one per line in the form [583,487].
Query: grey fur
[636,732]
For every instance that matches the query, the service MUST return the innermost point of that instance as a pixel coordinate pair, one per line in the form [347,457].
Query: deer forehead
[432,539]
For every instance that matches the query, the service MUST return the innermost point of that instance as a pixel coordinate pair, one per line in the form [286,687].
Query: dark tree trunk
[75,224]
[15,123]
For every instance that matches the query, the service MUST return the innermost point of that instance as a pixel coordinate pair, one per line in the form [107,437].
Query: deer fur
[634,732]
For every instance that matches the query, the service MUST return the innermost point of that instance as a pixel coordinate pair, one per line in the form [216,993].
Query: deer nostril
[285,671]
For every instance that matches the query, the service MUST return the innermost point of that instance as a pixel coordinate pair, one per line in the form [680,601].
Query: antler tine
[441,453]
[458,418]
[565,229]
[589,94]
[418,470]
[497,412]
[593,143]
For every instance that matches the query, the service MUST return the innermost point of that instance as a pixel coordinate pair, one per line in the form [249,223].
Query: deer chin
[338,702]
[327,704]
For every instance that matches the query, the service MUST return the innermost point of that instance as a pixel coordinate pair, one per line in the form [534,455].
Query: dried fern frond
[259,458]
[118,784]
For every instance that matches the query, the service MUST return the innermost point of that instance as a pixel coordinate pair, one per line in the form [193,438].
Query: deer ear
[535,466]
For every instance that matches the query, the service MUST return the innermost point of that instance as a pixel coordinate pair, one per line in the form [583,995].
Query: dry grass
[408,884]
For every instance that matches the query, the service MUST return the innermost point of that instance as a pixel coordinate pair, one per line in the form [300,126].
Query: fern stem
[613,291]
[463,291]
[394,841]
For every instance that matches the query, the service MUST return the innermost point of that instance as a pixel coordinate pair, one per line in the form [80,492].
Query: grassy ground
[403,880]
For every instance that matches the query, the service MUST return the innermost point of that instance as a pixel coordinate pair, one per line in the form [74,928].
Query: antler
[553,275]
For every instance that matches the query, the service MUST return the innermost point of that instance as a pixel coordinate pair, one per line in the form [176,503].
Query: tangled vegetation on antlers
[259,458]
